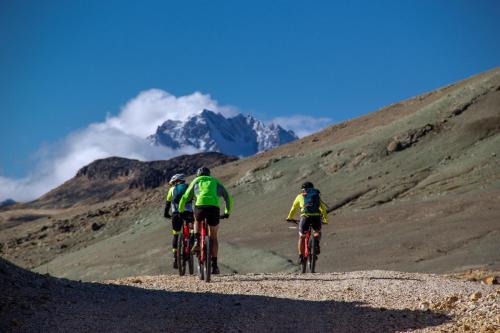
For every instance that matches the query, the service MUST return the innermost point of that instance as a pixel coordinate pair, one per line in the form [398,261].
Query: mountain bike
[205,253]
[184,255]
[309,257]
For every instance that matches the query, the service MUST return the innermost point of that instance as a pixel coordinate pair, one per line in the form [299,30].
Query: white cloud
[141,115]
[125,135]
[302,125]
[122,135]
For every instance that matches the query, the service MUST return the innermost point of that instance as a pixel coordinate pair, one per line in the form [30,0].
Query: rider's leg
[196,229]
[213,227]
[303,228]
[212,232]
[198,216]
[300,246]
[176,230]
[316,225]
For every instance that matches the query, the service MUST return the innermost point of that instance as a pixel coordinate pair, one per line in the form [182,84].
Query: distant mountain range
[209,131]
[7,202]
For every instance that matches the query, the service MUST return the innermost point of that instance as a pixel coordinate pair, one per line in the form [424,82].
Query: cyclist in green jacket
[205,191]
[178,187]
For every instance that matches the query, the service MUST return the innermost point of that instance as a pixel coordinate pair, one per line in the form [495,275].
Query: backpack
[312,201]
[179,191]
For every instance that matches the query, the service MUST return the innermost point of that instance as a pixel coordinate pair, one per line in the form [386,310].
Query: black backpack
[312,200]
[179,191]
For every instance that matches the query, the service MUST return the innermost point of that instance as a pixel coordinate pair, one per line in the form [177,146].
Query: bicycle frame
[306,243]
[309,254]
[203,233]
[185,237]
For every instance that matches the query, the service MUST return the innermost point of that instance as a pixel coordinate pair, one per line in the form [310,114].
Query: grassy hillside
[414,186]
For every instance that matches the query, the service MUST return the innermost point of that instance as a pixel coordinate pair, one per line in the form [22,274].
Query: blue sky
[66,64]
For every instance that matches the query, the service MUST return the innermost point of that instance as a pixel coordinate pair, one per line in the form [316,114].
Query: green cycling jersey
[206,190]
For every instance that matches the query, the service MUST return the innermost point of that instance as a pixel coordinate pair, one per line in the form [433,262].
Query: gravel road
[364,301]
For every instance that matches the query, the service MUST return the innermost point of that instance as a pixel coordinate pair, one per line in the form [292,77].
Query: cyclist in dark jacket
[205,191]
[178,187]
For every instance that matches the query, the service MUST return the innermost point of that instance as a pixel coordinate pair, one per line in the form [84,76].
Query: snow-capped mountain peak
[210,131]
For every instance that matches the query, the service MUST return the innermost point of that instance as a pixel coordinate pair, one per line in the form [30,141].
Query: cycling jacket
[298,203]
[175,206]
[206,191]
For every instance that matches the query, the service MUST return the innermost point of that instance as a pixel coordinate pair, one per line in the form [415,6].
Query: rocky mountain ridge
[209,131]
[115,176]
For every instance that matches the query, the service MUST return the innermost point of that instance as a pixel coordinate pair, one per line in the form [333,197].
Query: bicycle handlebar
[293,221]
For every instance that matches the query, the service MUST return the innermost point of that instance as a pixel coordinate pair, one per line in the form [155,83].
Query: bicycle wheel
[180,256]
[191,264]
[303,265]
[200,267]
[312,254]
[208,259]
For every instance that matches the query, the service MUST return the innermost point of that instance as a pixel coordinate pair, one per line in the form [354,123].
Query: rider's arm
[324,213]
[222,192]
[168,201]
[295,207]
[187,196]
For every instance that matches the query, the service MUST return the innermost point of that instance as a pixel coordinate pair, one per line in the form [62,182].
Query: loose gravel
[364,301]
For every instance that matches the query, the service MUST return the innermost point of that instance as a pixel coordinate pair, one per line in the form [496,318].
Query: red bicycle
[205,253]
[184,255]
[310,251]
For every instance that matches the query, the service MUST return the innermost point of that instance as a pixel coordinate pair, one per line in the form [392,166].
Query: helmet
[203,171]
[307,185]
[176,178]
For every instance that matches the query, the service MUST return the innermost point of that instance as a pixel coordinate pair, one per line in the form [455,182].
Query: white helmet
[176,178]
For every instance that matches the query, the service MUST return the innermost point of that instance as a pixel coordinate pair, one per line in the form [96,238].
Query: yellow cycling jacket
[298,203]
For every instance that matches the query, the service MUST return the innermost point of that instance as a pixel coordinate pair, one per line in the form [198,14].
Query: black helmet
[307,185]
[203,171]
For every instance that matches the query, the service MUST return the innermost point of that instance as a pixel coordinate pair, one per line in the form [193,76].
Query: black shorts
[179,218]
[211,213]
[306,221]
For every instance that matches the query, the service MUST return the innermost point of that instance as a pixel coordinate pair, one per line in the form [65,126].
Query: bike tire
[201,268]
[312,255]
[180,256]
[303,265]
[191,264]
[208,258]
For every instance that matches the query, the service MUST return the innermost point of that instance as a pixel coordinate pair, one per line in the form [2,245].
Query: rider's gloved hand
[225,216]
[168,216]
[289,220]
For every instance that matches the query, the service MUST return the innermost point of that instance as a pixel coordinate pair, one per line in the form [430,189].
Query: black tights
[175,240]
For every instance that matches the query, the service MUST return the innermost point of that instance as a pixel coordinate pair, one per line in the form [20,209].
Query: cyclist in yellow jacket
[312,214]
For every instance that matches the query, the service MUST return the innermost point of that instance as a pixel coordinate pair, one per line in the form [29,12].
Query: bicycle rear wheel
[180,255]
[200,266]
[191,264]
[312,254]
[208,259]
[303,265]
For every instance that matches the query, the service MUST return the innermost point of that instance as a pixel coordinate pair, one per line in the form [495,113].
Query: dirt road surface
[364,301]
